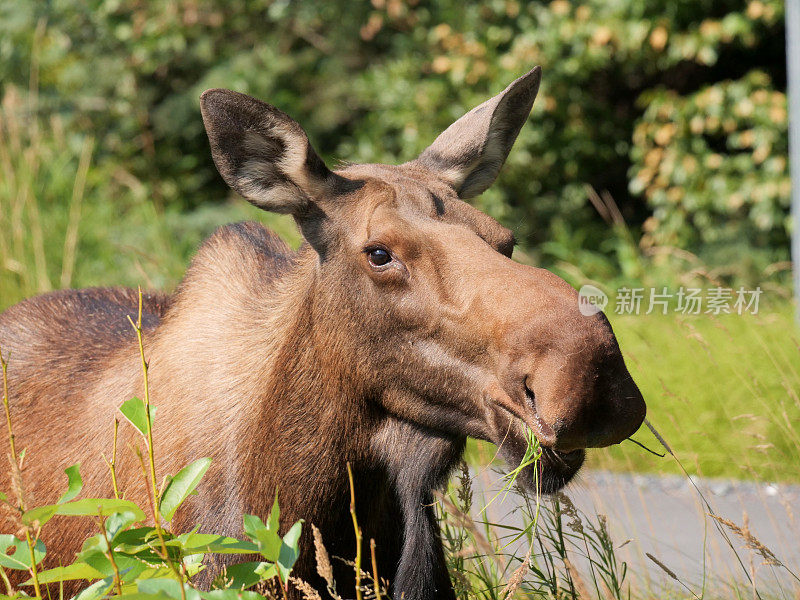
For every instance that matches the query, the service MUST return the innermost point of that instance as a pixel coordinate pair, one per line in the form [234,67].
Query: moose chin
[400,328]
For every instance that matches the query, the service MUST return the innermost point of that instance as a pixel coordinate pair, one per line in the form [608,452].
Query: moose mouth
[554,469]
[558,469]
[548,474]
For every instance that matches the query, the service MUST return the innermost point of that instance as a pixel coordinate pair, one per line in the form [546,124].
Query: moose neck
[299,418]
[396,463]
[418,460]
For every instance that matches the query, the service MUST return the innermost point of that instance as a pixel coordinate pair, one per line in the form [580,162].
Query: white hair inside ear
[470,153]
[262,153]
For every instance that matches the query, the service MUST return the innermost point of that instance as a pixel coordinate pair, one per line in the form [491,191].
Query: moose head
[443,329]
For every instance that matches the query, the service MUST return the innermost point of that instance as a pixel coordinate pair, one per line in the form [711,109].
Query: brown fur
[284,366]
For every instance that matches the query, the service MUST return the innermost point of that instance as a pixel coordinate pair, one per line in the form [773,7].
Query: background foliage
[676,109]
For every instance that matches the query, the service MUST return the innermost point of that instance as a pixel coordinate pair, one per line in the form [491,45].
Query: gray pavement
[666,517]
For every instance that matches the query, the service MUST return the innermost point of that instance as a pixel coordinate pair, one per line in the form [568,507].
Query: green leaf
[289,550]
[75,483]
[118,522]
[102,506]
[193,564]
[180,486]
[268,541]
[77,570]
[20,558]
[166,587]
[244,575]
[143,541]
[133,577]
[252,526]
[135,542]
[136,537]
[273,520]
[266,536]
[40,514]
[97,590]
[193,543]
[94,556]
[134,411]
[114,525]
[88,507]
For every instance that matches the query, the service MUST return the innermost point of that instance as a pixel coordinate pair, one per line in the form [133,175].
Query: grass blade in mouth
[533,453]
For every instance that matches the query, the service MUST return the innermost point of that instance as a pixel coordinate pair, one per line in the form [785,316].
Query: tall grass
[723,389]
[71,217]
[553,551]
[26,164]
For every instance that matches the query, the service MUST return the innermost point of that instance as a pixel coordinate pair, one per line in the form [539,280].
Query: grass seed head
[569,510]
[324,568]
[750,540]
[464,486]
[517,578]
[308,592]
[663,567]
[17,489]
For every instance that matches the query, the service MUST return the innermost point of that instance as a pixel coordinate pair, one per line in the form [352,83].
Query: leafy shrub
[125,557]
[713,167]
[377,81]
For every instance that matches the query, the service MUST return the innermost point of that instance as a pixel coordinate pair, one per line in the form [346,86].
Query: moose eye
[379,257]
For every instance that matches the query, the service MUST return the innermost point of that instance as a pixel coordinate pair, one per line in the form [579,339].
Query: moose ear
[263,153]
[470,153]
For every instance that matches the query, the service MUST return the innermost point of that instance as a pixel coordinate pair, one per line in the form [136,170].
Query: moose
[399,328]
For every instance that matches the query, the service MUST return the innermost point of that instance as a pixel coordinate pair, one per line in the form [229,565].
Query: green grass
[67,221]
[722,390]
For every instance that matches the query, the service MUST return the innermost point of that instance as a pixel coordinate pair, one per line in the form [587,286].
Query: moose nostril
[530,397]
[545,432]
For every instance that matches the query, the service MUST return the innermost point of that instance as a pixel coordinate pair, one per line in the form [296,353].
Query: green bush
[713,167]
[377,81]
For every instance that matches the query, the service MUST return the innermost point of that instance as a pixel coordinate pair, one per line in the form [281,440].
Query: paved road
[665,516]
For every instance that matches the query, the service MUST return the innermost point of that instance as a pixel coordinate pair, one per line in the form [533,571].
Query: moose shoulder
[400,328]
